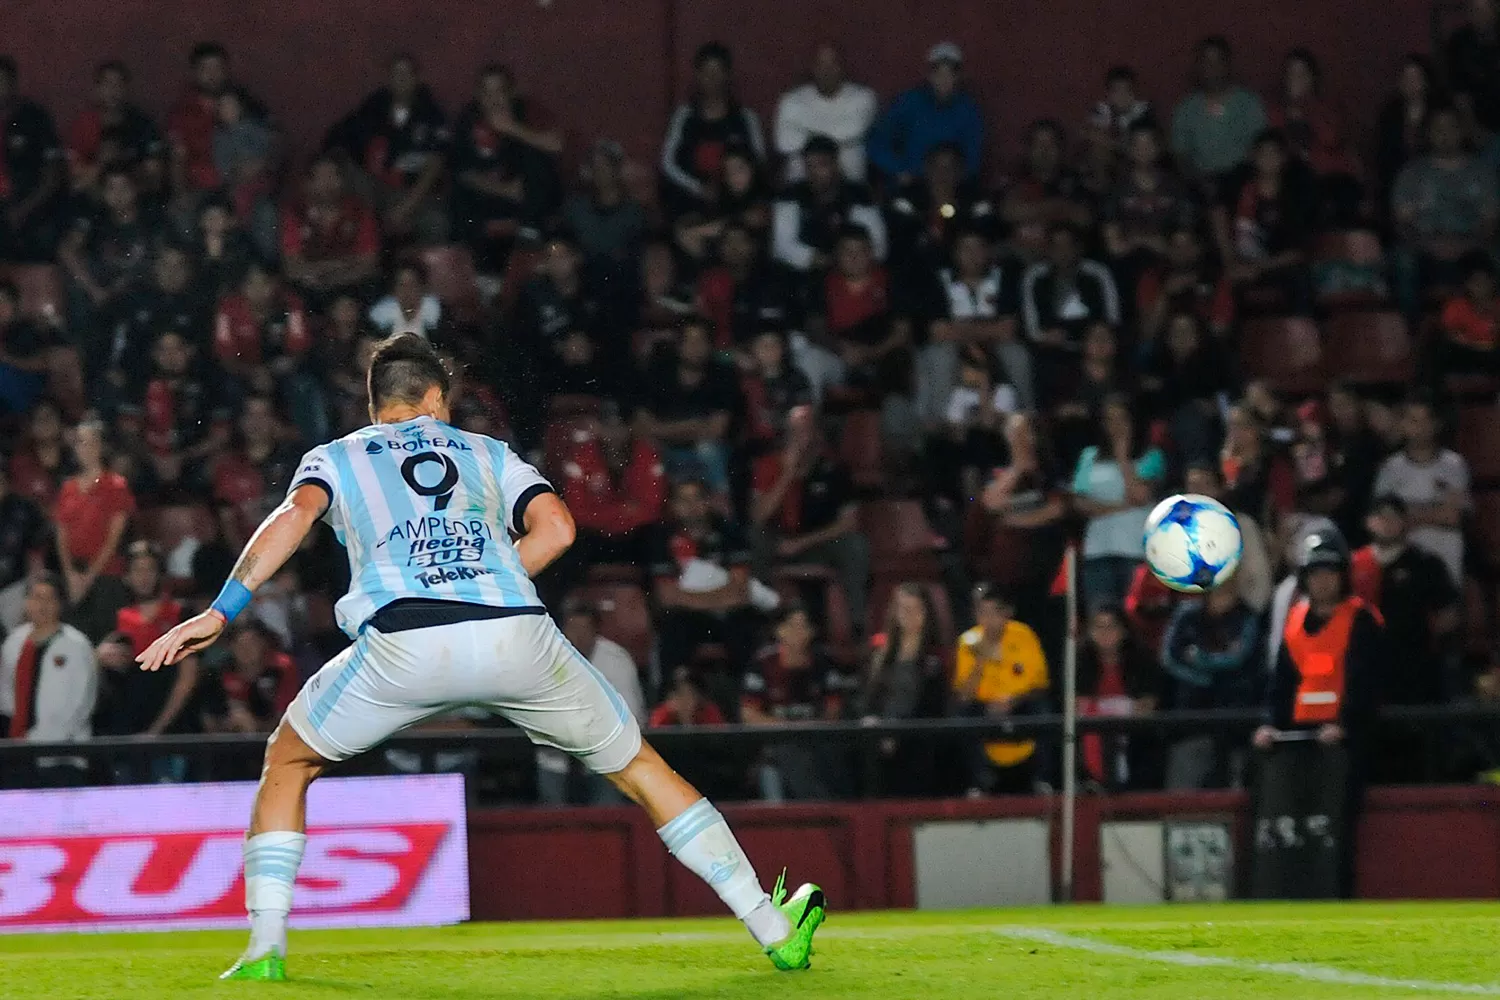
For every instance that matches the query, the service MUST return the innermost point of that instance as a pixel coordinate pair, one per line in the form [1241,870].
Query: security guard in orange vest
[1328,672]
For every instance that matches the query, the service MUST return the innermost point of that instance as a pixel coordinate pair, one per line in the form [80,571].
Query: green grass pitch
[1296,952]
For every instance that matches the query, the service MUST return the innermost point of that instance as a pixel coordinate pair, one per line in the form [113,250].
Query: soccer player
[443,613]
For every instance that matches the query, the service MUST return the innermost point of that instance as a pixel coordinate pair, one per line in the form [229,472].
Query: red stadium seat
[1478,440]
[901,540]
[1370,347]
[558,439]
[860,447]
[1286,351]
[450,272]
[623,616]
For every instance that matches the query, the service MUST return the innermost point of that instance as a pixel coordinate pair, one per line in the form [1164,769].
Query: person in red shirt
[330,240]
[685,704]
[859,320]
[36,466]
[113,131]
[1470,322]
[615,484]
[1186,283]
[92,512]
[251,692]
[190,126]
[1116,676]
[181,415]
[1316,136]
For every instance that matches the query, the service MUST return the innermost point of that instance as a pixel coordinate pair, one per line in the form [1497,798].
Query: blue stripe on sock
[684,818]
[687,835]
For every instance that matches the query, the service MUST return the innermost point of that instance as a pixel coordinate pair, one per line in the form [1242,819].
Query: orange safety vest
[1319,660]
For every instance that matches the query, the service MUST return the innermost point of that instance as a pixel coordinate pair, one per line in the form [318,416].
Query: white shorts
[521,667]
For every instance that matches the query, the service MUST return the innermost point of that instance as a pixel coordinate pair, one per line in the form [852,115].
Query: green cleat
[268,969]
[805,911]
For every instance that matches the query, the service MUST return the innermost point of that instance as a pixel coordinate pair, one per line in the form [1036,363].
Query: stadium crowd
[828,397]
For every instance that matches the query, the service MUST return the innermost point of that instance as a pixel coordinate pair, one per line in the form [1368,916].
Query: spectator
[827,106]
[223,248]
[971,441]
[906,678]
[1115,678]
[113,131]
[1184,282]
[244,148]
[555,769]
[1214,127]
[1046,193]
[1469,320]
[1263,236]
[1114,487]
[32,170]
[502,171]
[690,401]
[1253,580]
[262,341]
[1420,605]
[1187,375]
[999,671]
[792,681]
[409,307]
[809,216]
[1402,129]
[23,535]
[1100,373]
[1326,677]
[700,564]
[1355,453]
[107,251]
[1148,204]
[608,222]
[741,195]
[685,704]
[48,683]
[576,369]
[1433,482]
[747,293]
[975,303]
[863,327]
[250,692]
[615,485]
[93,509]
[39,462]
[774,391]
[1061,296]
[1472,55]
[700,132]
[28,352]
[1113,120]
[171,301]
[190,126]
[1029,507]
[250,480]
[1259,481]
[330,240]
[1315,136]
[554,302]
[934,112]
[181,415]
[399,136]
[666,296]
[805,512]
[925,214]
[1444,205]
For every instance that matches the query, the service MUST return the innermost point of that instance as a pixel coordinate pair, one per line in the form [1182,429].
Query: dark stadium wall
[609,67]
[550,864]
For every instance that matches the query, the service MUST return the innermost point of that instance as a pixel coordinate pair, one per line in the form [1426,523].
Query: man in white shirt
[580,623]
[49,679]
[1433,482]
[829,105]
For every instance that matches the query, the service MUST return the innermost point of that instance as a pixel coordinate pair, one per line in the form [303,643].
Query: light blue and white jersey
[425,510]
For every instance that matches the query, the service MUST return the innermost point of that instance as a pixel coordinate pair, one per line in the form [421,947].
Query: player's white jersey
[425,510]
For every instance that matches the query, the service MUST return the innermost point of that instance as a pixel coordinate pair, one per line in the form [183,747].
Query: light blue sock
[271,861]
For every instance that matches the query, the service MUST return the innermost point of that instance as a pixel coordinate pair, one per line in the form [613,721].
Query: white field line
[1312,973]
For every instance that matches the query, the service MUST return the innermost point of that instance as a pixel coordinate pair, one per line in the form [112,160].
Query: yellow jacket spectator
[1000,670]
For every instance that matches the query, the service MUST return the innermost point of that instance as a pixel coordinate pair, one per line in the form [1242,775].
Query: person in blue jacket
[934,112]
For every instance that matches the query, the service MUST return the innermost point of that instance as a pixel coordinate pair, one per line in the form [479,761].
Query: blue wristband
[234,598]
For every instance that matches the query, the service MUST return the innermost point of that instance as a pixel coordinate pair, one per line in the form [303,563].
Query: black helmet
[1325,549]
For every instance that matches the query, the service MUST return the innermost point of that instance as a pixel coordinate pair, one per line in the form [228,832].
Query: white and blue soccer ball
[1193,543]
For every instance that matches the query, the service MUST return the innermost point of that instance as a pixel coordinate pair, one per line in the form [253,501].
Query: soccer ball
[1193,543]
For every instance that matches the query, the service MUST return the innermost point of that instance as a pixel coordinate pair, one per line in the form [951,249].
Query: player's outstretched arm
[273,543]
[549,533]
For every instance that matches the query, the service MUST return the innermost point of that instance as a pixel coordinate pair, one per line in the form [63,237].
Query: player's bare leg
[697,835]
[273,851]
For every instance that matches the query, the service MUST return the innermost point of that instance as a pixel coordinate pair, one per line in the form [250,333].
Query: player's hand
[192,635]
[1264,737]
[1331,735]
